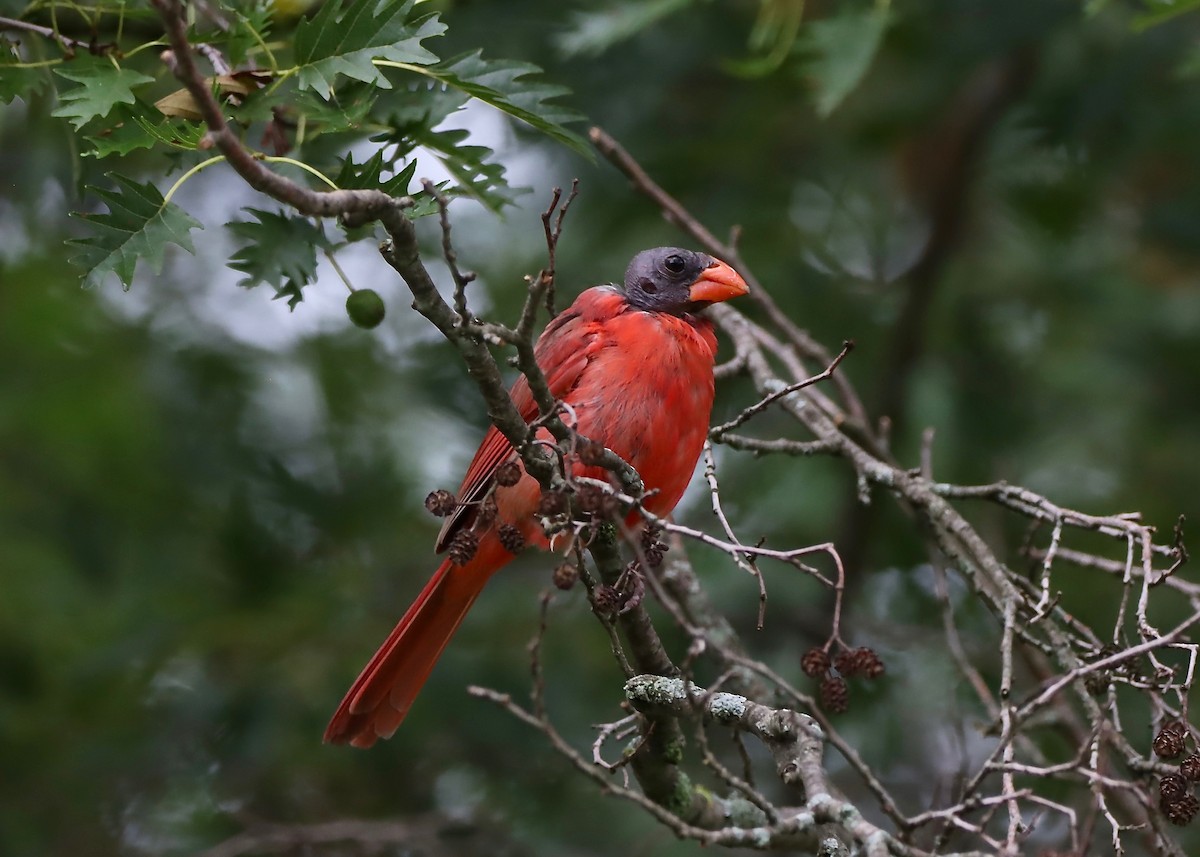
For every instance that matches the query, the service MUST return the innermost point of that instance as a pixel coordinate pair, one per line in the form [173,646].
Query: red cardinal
[635,365]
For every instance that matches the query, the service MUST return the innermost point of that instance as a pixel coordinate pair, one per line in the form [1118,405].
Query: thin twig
[67,43]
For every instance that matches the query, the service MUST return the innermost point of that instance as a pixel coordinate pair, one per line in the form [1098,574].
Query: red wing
[563,351]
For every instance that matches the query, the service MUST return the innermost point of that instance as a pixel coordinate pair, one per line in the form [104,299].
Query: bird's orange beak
[717,283]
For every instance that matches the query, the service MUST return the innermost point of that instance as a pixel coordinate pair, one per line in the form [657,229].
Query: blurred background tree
[210,502]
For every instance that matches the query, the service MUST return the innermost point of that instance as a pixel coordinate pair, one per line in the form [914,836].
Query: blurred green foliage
[210,508]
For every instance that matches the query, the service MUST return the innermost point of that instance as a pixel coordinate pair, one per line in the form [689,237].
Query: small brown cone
[835,695]
[868,662]
[1169,742]
[511,538]
[1173,787]
[596,500]
[552,503]
[1190,767]
[1182,811]
[815,662]
[605,598]
[566,575]
[508,474]
[441,503]
[463,547]
[846,663]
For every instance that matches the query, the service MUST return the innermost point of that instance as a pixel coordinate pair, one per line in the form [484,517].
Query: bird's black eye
[674,263]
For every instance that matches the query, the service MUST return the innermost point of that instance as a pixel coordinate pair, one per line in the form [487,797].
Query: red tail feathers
[382,694]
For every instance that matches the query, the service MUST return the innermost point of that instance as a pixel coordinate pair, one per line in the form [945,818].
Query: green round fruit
[365,308]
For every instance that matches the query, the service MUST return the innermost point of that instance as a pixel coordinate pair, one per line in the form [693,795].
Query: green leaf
[17,82]
[346,39]
[102,87]
[138,128]
[250,27]
[424,204]
[470,166]
[842,48]
[369,175]
[20,83]
[139,225]
[423,103]
[1189,65]
[772,38]
[471,169]
[280,250]
[1160,11]
[591,32]
[346,111]
[505,85]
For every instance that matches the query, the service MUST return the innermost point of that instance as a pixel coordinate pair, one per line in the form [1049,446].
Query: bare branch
[1074,665]
[553,233]
[794,740]
[717,432]
[420,834]
[66,42]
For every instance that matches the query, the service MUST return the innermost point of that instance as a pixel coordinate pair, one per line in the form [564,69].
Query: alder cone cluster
[833,690]
[859,662]
[597,501]
[1182,811]
[653,547]
[1175,798]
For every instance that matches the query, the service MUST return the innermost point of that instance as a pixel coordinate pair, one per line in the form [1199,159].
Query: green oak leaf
[102,87]
[473,173]
[250,26]
[419,104]
[139,128]
[369,175]
[506,85]
[20,83]
[346,112]
[841,49]
[280,250]
[1160,11]
[139,225]
[594,30]
[347,38]
[16,81]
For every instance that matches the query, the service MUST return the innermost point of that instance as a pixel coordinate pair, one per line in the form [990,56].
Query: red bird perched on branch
[635,367]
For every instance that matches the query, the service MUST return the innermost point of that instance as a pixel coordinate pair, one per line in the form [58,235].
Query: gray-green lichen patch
[659,690]
[727,706]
